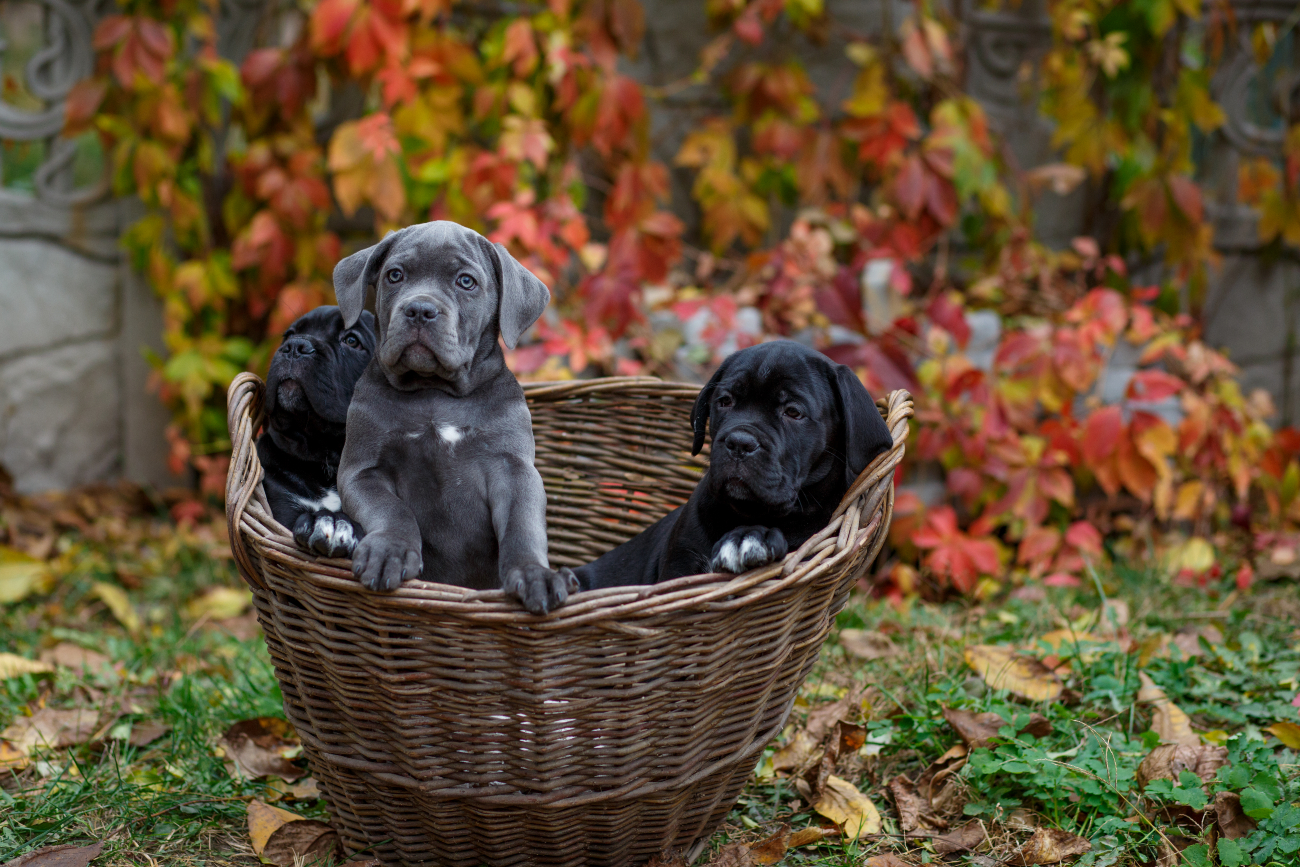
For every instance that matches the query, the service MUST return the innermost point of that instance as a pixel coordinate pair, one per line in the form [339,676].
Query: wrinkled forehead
[779,377]
[440,246]
[322,320]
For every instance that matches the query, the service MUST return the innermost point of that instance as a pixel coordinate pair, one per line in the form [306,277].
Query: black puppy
[308,390]
[791,432]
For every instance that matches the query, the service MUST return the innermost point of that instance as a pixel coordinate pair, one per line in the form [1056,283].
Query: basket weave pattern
[450,727]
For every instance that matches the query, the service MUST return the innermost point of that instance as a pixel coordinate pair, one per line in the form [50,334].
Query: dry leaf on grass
[67,855]
[145,733]
[888,859]
[867,644]
[52,729]
[118,603]
[667,859]
[279,837]
[797,753]
[845,739]
[1287,732]
[21,575]
[1167,761]
[1007,668]
[977,729]
[12,758]
[852,811]
[1167,718]
[732,855]
[220,603]
[76,657]
[1188,639]
[823,717]
[1232,822]
[262,747]
[968,838]
[13,665]
[914,812]
[1049,846]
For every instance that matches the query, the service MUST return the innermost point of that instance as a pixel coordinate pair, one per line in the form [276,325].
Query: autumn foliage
[874,224]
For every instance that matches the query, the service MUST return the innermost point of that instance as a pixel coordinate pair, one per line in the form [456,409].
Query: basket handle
[245,409]
[896,407]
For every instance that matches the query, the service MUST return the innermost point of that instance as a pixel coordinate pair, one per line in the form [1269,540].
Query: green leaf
[1197,856]
[1231,853]
[1256,804]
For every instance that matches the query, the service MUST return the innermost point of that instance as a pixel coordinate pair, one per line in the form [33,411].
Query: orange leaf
[1153,385]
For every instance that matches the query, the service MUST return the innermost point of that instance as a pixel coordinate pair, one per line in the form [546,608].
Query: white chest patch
[328,503]
[450,434]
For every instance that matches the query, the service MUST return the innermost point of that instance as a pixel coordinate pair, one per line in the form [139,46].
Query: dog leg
[746,548]
[389,553]
[518,503]
[329,534]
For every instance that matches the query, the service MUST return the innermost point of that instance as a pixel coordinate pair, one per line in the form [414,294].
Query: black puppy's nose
[296,346]
[741,444]
[421,312]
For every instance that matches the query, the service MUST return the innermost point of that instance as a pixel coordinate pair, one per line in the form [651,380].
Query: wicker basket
[450,727]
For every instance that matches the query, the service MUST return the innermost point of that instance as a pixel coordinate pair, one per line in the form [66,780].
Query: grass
[177,801]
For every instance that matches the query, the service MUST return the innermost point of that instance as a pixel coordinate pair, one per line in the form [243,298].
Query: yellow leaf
[12,665]
[220,603]
[115,598]
[1287,732]
[1195,555]
[1167,718]
[264,820]
[1005,668]
[843,804]
[20,575]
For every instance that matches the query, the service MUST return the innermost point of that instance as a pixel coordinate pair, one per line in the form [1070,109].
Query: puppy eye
[791,412]
[466,282]
[725,400]
[351,340]
[395,275]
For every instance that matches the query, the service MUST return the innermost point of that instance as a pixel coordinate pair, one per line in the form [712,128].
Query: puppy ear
[700,412]
[865,433]
[354,276]
[523,297]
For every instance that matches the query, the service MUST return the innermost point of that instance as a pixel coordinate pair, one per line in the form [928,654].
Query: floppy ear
[354,276]
[700,412]
[865,433]
[523,297]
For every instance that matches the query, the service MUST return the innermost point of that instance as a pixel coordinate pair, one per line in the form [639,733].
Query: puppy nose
[421,312]
[296,346]
[741,444]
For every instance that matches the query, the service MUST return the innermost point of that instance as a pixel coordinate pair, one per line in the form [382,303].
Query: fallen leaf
[12,665]
[305,789]
[866,644]
[977,729]
[220,603]
[76,657]
[1167,718]
[797,753]
[282,838]
[667,859]
[1049,846]
[1233,823]
[823,717]
[967,838]
[914,812]
[732,855]
[852,811]
[1188,639]
[888,859]
[21,574]
[773,849]
[145,733]
[808,836]
[12,758]
[1005,668]
[67,855]
[1166,761]
[118,603]
[1287,732]
[260,748]
[50,728]
[847,738]
[1020,819]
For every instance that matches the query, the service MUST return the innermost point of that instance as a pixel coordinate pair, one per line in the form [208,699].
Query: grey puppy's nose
[741,444]
[296,346]
[420,311]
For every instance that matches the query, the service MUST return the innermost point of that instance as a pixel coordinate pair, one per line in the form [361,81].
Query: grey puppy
[437,467]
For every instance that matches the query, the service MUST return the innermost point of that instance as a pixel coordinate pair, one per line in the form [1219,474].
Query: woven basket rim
[248,514]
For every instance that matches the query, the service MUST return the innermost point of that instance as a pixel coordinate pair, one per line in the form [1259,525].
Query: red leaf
[947,312]
[1154,385]
[111,31]
[909,187]
[329,21]
[1187,196]
[1101,434]
[83,102]
[1084,537]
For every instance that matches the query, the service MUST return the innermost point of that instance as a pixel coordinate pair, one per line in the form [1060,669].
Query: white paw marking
[343,535]
[752,550]
[331,502]
[729,556]
[450,434]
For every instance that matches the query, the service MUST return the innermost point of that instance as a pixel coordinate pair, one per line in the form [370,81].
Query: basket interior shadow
[450,727]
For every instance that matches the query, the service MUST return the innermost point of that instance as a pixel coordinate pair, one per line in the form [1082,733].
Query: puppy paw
[329,534]
[746,548]
[382,562]
[540,589]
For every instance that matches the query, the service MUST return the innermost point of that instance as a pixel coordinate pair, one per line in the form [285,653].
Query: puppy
[438,464]
[308,390]
[791,432]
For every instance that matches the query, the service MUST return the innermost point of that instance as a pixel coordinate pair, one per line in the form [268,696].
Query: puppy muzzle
[745,469]
[422,339]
